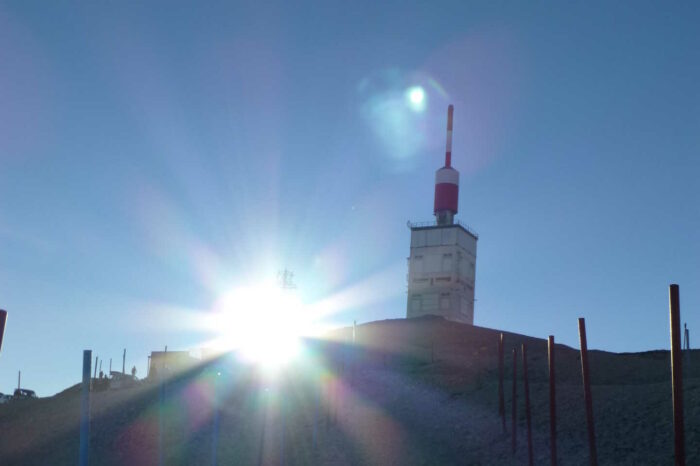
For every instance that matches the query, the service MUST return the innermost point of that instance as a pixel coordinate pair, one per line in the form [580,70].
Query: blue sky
[153,156]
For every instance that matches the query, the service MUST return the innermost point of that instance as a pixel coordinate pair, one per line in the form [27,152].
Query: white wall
[441,273]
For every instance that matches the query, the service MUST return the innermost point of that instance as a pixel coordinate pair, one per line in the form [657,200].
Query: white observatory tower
[442,264]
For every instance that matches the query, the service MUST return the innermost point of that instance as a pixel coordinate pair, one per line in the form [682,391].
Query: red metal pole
[587,391]
[501,400]
[528,416]
[677,376]
[552,402]
[515,401]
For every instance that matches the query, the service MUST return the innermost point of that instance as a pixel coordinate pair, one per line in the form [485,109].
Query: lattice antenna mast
[285,279]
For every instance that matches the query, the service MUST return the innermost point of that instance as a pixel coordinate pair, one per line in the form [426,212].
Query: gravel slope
[418,392]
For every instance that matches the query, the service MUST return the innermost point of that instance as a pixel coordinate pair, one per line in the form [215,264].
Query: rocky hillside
[420,392]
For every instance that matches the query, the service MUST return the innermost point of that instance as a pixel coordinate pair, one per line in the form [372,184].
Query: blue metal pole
[215,420]
[283,426]
[85,409]
[316,389]
[161,414]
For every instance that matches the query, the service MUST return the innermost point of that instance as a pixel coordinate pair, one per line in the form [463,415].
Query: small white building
[169,363]
[442,264]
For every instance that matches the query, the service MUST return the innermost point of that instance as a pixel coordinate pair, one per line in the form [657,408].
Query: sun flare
[263,323]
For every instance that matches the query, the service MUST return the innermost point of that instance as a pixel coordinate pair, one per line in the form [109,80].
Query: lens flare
[401,109]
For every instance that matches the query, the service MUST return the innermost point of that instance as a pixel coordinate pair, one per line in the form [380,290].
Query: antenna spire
[446,182]
[448,149]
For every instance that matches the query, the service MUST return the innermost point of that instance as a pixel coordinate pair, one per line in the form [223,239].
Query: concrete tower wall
[441,273]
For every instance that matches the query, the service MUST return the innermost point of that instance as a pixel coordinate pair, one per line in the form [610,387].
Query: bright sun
[416,98]
[263,323]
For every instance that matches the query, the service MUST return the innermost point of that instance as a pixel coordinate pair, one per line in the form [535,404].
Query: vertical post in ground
[515,402]
[161,417]
[283,426]
[331,397]
[587,391]
[95,376]
[326,394]
[215,421]
[3,321]
[354,353]
[318,393]
[85,409]
[677,376]
[124,362]
[552,402]
[501,400]
[335,384]
[528,416]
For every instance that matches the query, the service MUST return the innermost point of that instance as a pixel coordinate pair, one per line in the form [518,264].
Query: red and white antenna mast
[448,145]
[446,182]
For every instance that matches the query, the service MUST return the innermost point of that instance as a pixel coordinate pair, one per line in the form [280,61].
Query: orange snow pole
[677,376]
[514,416]
[3,321]
[528,416]
[552,402]
[585,371]
[501,401]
